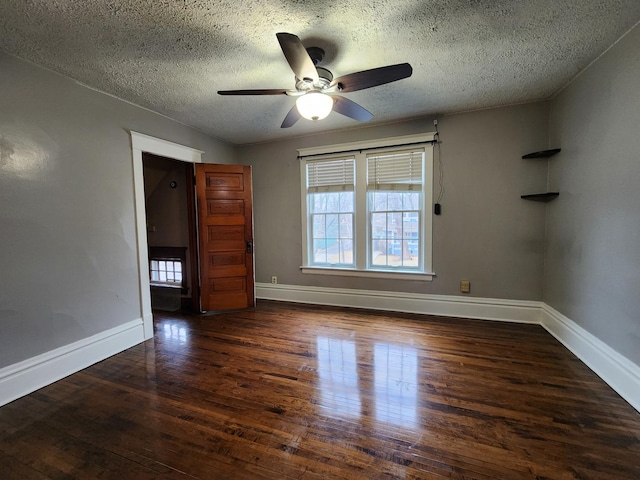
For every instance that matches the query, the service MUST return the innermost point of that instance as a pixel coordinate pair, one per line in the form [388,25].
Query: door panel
[225,214]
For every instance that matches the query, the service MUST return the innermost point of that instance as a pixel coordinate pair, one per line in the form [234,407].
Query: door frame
[144,143]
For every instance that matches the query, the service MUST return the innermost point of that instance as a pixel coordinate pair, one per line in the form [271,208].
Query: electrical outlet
[465,286]
[274,279]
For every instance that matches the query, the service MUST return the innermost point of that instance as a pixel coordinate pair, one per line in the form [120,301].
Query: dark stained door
[225,231]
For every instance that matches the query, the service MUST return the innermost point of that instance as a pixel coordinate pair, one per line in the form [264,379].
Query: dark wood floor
[300,392]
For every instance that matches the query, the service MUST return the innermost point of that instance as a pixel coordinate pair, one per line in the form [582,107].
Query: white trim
[445,305]
[144,143]
[348,272]
[157,146]
[34,373]
[361,211]
[378,143]
[615,369]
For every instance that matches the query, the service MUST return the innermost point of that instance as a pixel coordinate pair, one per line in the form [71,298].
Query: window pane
[346,226]
[333,202]
[318,226]
[346,202]
[163,276]
[346,252]
[379,225]
[411,201]
[177,266]
[395,200]
[319,251]
[154,264]
[394,225]
[379,255]
[410,253]
[170,277]
[318,202]
[178,277]
[332,226]
[162,265]
[378,201]
[155,276]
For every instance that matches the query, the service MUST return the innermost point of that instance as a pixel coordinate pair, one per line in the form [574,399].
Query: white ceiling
[172,56]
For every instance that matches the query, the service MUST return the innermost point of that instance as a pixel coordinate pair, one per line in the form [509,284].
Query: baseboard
[616,370]
[29,375]
[444,305]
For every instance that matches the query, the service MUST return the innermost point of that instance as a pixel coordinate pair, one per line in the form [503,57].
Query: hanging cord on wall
[437,208]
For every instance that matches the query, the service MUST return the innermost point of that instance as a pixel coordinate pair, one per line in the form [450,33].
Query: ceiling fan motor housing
[325,77]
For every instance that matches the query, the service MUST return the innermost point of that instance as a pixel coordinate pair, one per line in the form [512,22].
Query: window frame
[362,214]
[331,182]
[173,254]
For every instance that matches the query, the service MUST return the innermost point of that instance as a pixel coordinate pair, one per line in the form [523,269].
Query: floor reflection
[338,374]
[175,332]
[393,390]
[396,384]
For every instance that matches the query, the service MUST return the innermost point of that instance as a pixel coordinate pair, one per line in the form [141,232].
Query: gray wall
[486,233]
[592,272]
[67,232]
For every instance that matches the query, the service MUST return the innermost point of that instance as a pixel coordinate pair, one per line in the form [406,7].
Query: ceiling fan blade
[371,78]
[298,58]
[253,92]
[351,109]
[292,117]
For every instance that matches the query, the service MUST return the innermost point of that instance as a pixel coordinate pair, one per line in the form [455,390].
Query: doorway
[141,143]
[171,233]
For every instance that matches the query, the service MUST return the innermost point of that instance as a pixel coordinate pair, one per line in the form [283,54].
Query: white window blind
[337,175]
[395,171]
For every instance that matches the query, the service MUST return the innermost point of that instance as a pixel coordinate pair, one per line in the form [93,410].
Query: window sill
[183,290]
[350,272]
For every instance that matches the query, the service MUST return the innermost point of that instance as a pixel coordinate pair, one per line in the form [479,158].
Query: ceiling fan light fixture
[314,105]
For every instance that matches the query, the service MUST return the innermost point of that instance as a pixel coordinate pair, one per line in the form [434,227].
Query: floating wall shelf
[546,196]
[542,153]
[541,197]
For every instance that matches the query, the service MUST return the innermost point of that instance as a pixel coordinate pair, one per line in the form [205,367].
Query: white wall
[67,226]
[592,272]
[486,233]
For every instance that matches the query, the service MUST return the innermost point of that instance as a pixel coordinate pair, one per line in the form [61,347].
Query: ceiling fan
[315,85]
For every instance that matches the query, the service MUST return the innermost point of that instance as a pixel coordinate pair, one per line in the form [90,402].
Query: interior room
[517,326]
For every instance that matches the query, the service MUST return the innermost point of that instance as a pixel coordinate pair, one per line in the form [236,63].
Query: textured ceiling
[172,56]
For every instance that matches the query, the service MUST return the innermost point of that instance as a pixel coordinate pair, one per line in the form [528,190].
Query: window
[167,267]
[367,212]
[167,271]
[330,187]
[394,203]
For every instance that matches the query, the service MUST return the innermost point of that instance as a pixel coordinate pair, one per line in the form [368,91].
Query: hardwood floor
[300,392]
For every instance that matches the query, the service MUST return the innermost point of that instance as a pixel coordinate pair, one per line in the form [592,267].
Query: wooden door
[225,231]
